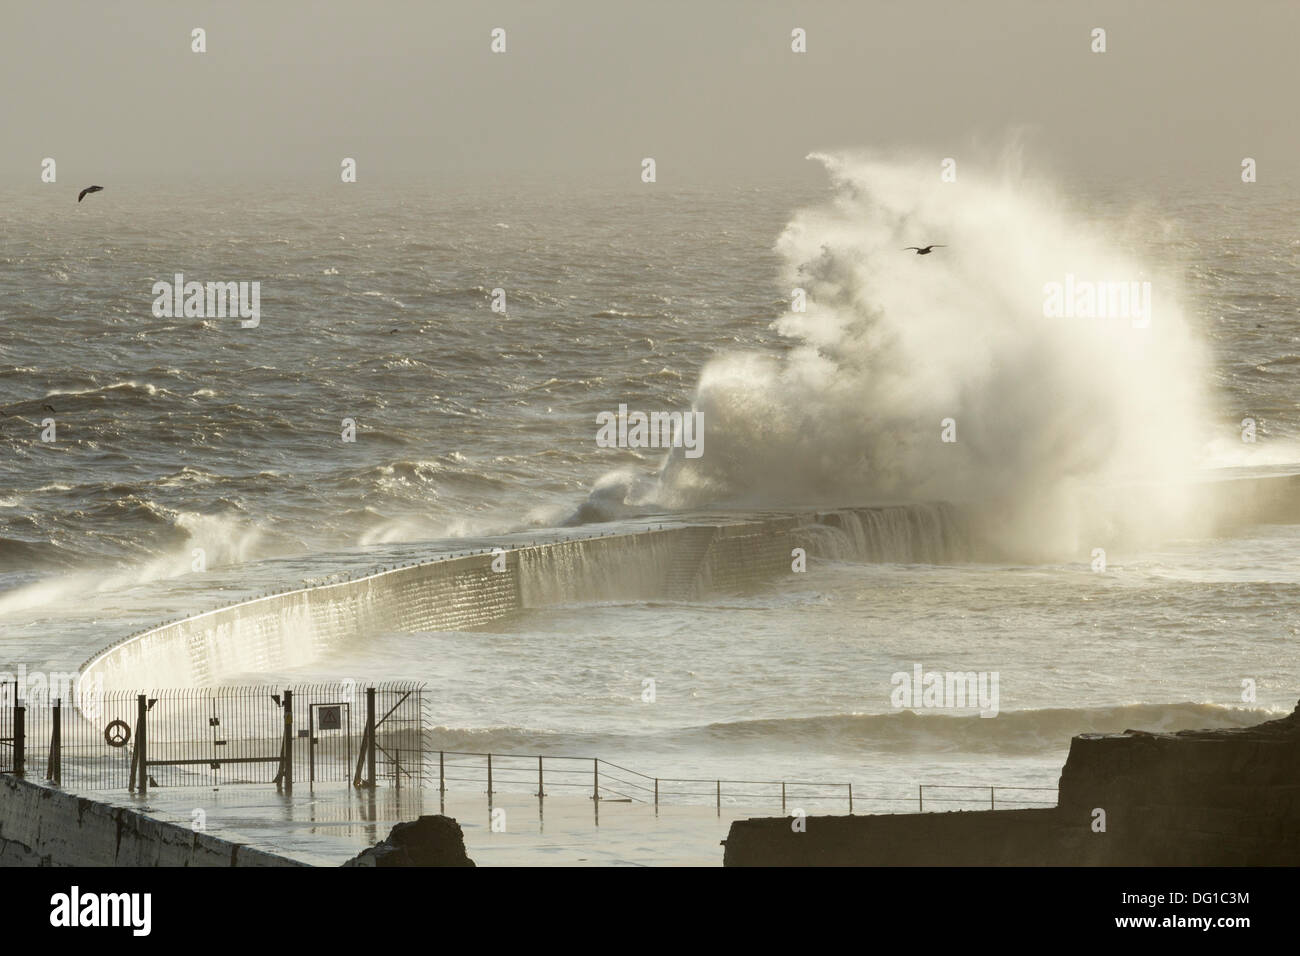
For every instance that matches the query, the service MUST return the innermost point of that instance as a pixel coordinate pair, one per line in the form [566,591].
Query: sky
[710,89]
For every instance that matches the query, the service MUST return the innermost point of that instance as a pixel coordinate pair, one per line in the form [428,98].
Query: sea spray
[914,378]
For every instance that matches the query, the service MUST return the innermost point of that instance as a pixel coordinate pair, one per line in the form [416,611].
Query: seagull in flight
[925,250]
[89,189]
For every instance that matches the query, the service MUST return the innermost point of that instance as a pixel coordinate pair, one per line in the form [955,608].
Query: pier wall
[42,826]
[683,561]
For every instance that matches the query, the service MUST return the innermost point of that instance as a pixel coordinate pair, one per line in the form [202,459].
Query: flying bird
[925,250]
[89,189]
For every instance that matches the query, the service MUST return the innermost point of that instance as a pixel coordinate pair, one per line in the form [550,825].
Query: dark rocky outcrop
[1191,798]
[428,841]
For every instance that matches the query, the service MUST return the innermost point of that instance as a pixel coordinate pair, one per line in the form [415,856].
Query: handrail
[597,770]
[558,537]
[921,788]
[509,543]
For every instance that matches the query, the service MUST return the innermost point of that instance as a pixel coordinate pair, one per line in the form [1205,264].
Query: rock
[1227,797]
[428,841]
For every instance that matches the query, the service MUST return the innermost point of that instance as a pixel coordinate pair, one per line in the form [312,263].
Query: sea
[471,333]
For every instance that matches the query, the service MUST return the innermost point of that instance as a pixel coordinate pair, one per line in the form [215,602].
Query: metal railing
[368,735]
[992,792]
[601,780]
[126,740]
[12,731]
[347,577]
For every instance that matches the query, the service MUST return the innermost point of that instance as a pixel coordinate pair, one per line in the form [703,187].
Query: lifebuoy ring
[117,733]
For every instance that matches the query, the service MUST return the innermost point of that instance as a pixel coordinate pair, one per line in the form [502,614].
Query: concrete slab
[331,824]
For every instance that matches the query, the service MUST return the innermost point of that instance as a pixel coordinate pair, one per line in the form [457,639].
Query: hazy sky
[709,89]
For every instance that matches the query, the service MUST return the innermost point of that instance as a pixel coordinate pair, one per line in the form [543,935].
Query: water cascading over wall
[686,561]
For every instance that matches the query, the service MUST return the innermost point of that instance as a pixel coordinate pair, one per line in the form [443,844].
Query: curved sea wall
[684,561]
[685,558]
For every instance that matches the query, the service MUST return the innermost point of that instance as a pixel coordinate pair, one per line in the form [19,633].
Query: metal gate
[329,729]
[346,732]
[209,737]
[11,729]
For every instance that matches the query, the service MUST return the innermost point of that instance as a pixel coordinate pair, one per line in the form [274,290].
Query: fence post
[541,792]
[719,798]
[920,798]
[656,793]
[370,722]
[489,756]
[991,798]
[54,767]
[286,767]
[850,799]
[442,776]
[595,778]
[783,796]
[20,738]
[141,744]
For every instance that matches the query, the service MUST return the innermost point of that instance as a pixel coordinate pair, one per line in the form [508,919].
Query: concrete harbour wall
[680,562]
[41,826]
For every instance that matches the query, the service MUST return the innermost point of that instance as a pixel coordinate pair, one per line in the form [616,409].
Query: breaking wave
[1047,413]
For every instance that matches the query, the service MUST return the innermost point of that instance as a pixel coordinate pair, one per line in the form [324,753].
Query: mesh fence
[218,736]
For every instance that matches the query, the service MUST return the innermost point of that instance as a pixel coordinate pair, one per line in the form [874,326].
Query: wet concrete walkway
[333,823]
